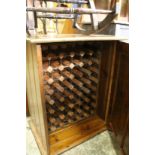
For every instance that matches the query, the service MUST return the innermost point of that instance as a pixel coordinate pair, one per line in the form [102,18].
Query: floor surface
[101,144]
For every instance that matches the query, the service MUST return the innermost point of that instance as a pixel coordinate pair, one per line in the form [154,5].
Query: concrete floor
[101,144]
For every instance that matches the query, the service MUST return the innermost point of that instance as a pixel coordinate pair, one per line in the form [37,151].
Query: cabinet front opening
[70,72]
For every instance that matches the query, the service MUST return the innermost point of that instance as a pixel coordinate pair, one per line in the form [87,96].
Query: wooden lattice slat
[70,84]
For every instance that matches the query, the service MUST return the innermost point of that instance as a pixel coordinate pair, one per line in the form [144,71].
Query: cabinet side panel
[28,84]
[33,91]
[30,89]
[119,104]
[111,64]
[107,56]
[37,64]
[120,94]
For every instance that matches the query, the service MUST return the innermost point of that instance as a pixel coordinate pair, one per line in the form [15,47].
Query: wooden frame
[35,96]
[118,115]
[75,134]
[52,144]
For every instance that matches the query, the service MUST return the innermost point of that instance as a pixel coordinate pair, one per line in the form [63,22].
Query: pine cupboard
[69,87]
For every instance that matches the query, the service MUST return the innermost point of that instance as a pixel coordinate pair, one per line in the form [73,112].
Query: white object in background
[121,28]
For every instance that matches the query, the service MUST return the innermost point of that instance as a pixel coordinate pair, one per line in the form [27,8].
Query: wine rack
[70,78]
[69,83]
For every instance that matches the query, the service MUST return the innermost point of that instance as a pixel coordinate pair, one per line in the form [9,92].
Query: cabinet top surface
[71,38]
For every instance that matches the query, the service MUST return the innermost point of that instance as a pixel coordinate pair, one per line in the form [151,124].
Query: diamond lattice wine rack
[68,88]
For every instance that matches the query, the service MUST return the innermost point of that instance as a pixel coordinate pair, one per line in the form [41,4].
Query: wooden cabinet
[119,100]
[69,84]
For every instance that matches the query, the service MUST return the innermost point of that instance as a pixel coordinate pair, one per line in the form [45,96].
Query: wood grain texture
[28,85]
[105,72]
[75,134]
[39,84]
[33,89]
[119,101]
[100,80]
[111,75]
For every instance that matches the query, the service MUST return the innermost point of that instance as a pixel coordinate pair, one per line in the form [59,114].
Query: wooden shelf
[70,136]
